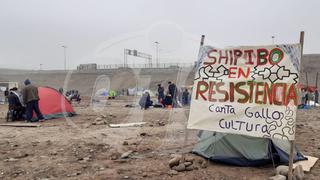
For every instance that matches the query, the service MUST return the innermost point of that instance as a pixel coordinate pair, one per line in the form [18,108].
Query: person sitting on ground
[75,96]
[167,102]
[15,104]
[145,101]
[31,100]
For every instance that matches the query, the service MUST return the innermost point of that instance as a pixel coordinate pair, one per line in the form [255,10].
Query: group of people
[22,105]
[307,96]
[167,100]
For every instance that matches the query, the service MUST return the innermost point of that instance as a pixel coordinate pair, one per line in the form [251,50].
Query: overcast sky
[33,31]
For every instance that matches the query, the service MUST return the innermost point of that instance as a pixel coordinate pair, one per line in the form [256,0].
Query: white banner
[247,90]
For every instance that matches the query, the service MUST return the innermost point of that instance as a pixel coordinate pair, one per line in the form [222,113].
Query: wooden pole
[292,142]
[197,66]
[307,79]
[317,80]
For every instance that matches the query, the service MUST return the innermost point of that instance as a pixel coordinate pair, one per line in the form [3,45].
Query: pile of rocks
[282,173]
[180,163]
[103,119]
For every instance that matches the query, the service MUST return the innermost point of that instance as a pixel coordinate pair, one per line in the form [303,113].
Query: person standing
[160,93]
[185,97]
[316,97]
[31,99]
[6,94]
[172,88]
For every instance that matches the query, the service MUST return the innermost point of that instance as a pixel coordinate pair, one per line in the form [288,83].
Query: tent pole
[292,142]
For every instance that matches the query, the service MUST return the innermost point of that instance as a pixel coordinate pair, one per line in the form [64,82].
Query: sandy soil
[74,148]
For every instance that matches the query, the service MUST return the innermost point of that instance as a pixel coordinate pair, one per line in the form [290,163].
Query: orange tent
[52,104]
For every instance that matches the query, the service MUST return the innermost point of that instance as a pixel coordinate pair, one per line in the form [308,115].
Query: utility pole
[40,67]
[157,53]
[65,56]
[272,39]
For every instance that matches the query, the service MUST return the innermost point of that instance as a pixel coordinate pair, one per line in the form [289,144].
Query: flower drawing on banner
[209,72]
[274,74]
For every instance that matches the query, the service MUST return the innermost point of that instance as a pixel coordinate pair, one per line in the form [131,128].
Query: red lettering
[249,55]
[204,86]
[211,57]
[231,72]
[262,55]
[241,73]
[237,54]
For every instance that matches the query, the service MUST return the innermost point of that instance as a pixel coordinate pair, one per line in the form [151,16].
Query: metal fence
[160,65]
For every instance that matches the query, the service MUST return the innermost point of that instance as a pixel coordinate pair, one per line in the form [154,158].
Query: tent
[102,92]
[52,104]
[112,94]
[243,150]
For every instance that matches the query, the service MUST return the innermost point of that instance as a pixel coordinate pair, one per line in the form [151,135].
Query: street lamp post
[272,39]
[65,56]
[157,53]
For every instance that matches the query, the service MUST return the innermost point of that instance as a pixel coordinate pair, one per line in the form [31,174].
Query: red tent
[52,104]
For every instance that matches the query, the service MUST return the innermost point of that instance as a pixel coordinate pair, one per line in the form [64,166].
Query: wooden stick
[292,142]
[21,125]
[201,45]
[317,80]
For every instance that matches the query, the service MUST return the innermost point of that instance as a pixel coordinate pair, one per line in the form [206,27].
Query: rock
[126,154]
[282,170]
[125,143]
[144,174]
[174,162]
[86,159]
[187,164]
[98,119]
[176,155]
[101,123]
[189,159]
[278,177]
[126,177]
[54,153]
[204,164]
[161,123]
[143,134]
[103,116]
[21,155]
[181,167]
[189,168]
[173,172]
[298,172]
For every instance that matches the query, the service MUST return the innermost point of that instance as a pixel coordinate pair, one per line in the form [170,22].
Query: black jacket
[172,90]
[14,101]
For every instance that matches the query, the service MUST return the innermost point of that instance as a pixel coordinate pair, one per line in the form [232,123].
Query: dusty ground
[76,149]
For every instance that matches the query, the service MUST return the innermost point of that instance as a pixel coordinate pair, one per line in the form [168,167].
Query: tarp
[102,92]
